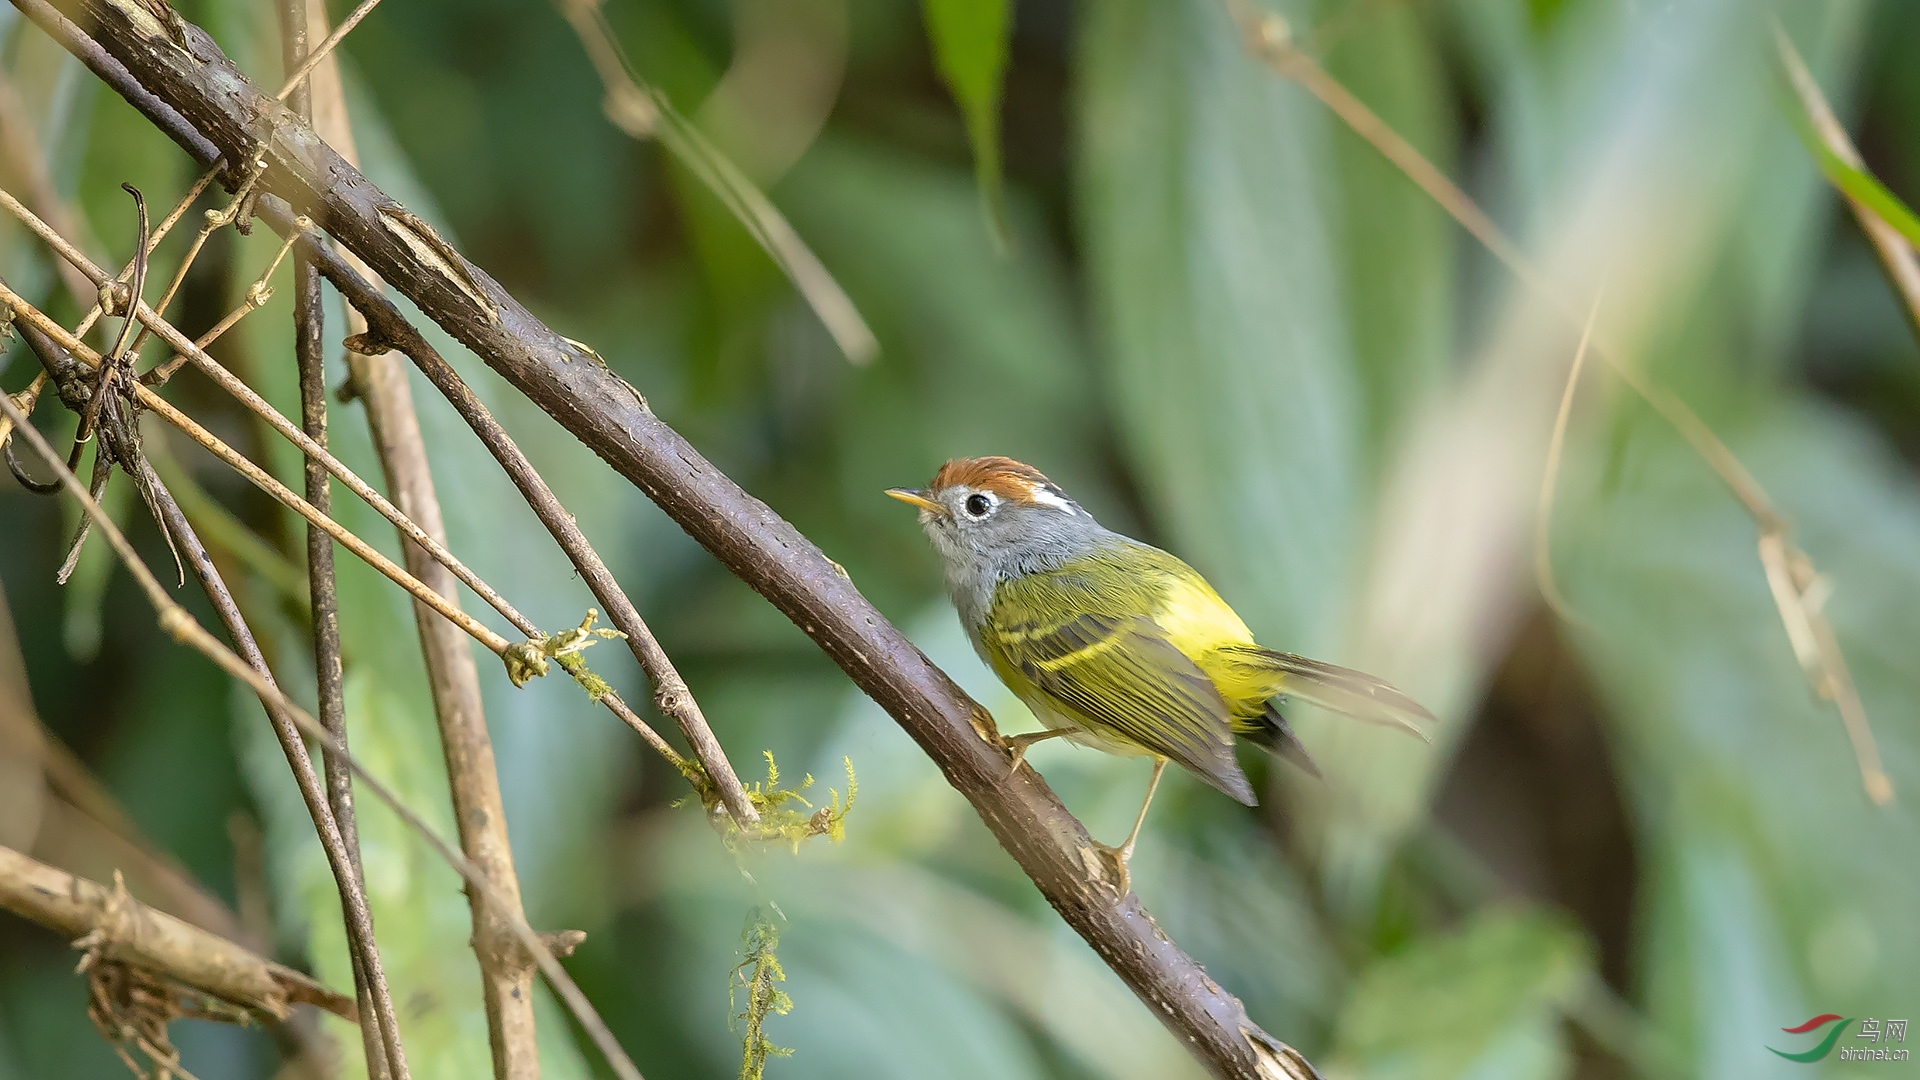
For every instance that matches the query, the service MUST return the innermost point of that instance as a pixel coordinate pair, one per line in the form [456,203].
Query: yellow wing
[1081,639]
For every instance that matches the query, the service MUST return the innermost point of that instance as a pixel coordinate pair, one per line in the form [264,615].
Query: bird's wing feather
[1085,647]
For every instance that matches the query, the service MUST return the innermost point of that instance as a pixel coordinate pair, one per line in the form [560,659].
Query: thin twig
[1897,257]
[255,298]
[120,440]
[383,1058]
[349,882]
[74,907]
[259,406]
[473,781]
[640,110]
[225,532]
[116,358]
[671,695]
[163,372]
[506,971]
[1550,476]
[261,478]
[26,400]
[214,221]
[1789,570]
[326,49]
[153,242]
[182,627]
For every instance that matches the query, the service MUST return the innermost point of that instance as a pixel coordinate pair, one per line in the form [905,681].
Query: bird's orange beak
[916,498]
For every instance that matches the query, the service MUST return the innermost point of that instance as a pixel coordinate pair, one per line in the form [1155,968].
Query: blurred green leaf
[1398,248]
[86,590]
[984,354]
[1483,1002]
[420,914]
[970,40]
[1239,908]
[1208,190]
[1861,186]
[1778,891]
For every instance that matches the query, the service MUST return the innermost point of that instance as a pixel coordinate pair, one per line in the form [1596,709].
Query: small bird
[1116,644]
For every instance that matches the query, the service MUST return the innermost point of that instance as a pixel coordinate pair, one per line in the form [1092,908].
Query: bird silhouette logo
[1825,1045]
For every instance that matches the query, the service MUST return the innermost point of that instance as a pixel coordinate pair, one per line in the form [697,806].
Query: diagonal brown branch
[215,102]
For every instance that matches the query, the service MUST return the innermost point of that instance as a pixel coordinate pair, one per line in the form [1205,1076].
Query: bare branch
[31,317]
[121,441]
[506,971]
[756,544]
[383,1057]
[74,907]
[390,328]
[182,627]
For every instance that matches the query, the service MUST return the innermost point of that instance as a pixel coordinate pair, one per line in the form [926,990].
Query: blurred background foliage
[1228,326]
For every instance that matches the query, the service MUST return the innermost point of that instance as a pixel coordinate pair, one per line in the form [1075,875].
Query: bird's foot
[1117,858]
[1018,745]
[1019,749]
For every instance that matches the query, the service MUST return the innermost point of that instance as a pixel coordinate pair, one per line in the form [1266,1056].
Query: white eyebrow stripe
[1047,498]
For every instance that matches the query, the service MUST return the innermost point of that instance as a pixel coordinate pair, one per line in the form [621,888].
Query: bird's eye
[978,505]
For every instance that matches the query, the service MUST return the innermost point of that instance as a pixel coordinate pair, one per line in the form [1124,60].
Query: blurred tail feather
[1343,690]
[1274,734]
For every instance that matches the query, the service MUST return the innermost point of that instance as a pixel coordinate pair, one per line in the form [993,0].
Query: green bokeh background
[1639,846]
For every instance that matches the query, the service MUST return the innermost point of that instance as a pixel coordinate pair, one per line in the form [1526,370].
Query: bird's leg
[1124,853]
[1019,743]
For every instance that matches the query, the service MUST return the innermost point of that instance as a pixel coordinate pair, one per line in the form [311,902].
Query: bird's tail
[1272,732]
[1336,689]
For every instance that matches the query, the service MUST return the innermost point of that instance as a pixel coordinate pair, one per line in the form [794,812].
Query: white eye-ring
[979,504]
